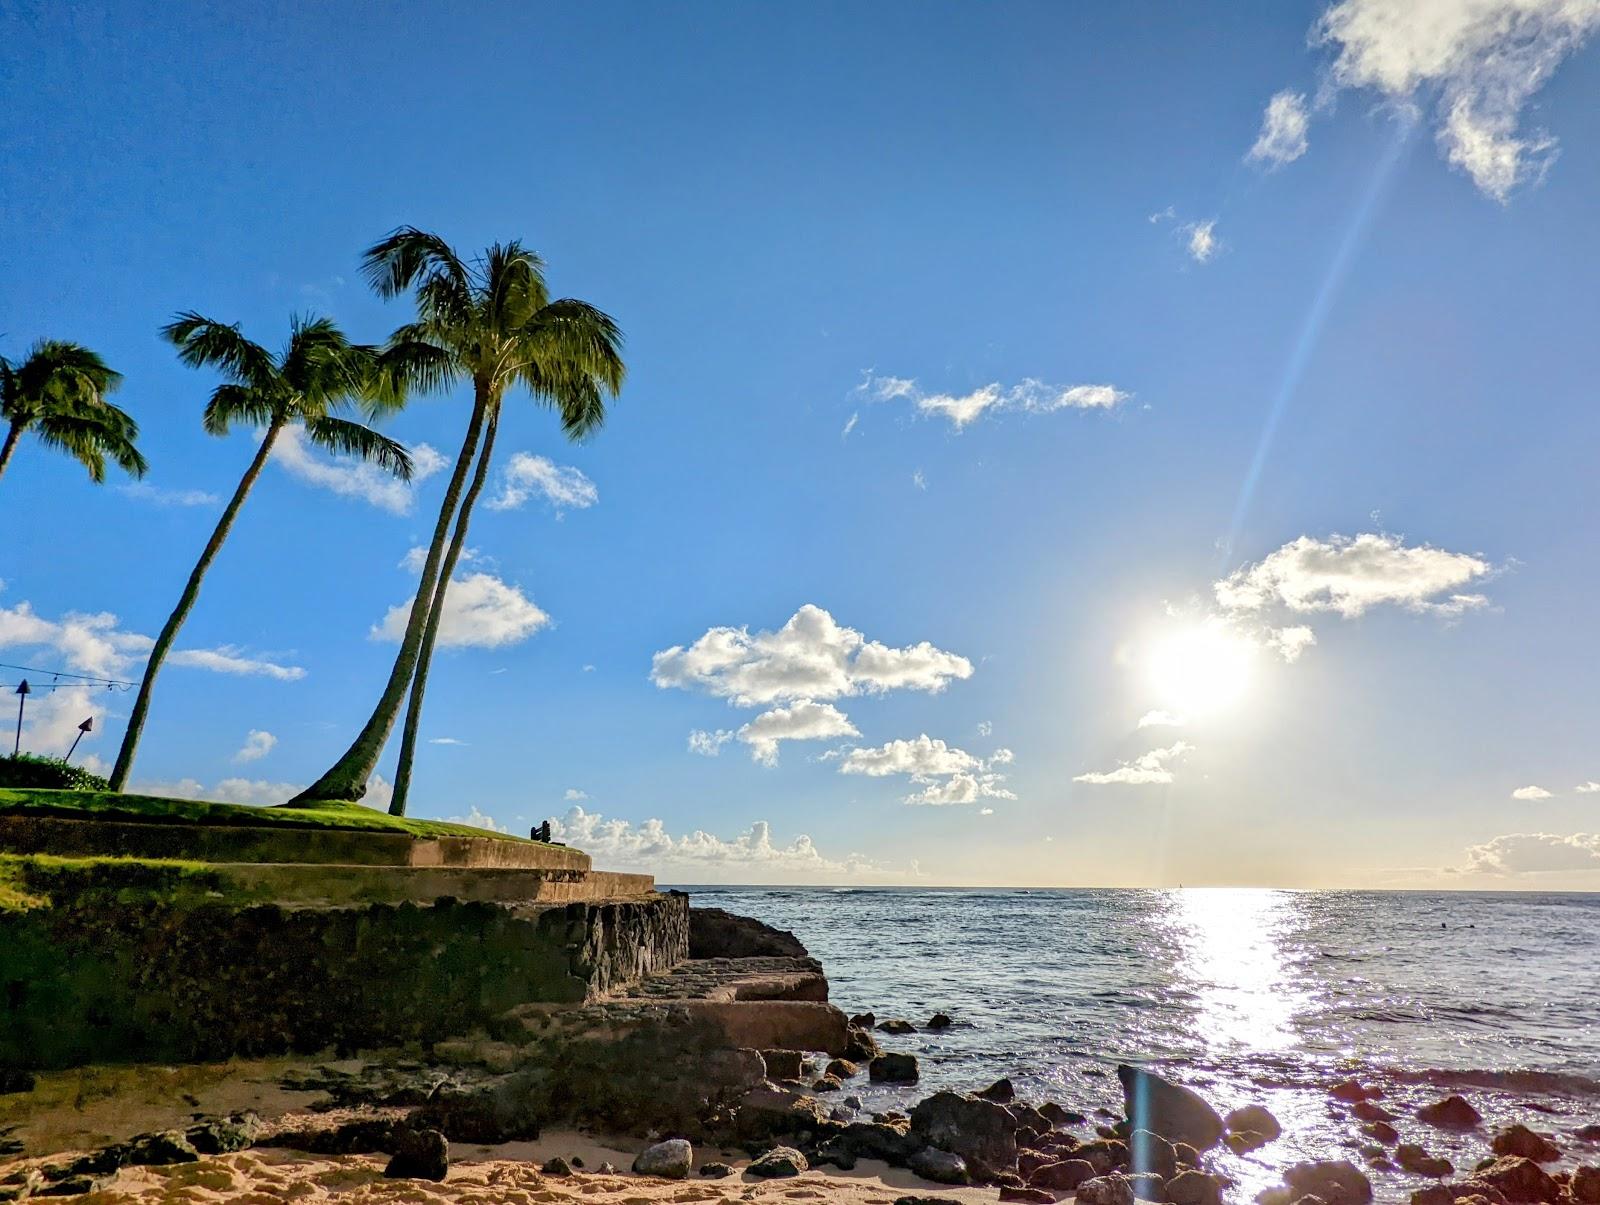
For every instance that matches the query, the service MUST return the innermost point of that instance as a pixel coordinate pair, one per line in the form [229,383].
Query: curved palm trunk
[347,777]
[10,445]
[191,591]
[430,633]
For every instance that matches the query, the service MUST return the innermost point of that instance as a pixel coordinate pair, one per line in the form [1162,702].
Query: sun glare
[1202,669]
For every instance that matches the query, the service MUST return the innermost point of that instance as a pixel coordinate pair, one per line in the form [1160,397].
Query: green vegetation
[59,393]
[491,321]
[38,880]
[31,770]
[112,805]
[320,372]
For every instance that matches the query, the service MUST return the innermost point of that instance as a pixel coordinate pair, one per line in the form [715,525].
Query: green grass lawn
[86,805]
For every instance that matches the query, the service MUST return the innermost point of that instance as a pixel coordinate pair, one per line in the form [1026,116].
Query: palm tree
[59,393]
[318,373]
[493,320]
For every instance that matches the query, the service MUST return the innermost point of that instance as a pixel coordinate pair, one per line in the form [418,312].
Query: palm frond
[231,404]
[409,361]
[353,439]
[203,342]
[400,258]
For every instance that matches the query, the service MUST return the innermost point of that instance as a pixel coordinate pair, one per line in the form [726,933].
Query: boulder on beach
[977,1130]
[1177,1113]
[160,1150]
[1149,1152]
[1334,1181]
[1002,1091]
[841,1068]
[828,1083]
[773,1112]
[1520,1140]
[670,1160]
[1451,1113]
[1114,1189]
[1062,1176]
[1060,1115]
[1194,1187]
[419,1155]
[1011,1192]
[942,1167]
[224,1135]
[783,1064]
[1518,1180]
[894,1069]
[1585,1186]
[779,1161]
[715,1171]
[556,1166]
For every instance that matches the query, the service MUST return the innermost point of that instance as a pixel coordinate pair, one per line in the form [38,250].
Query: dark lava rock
[1149,1152]
[1244,1141]
[556,1166]
[1520,1140]
[784,1064]
[1105,1190]
[1063,1176]
[1061,1116]
[14,1079]
[766,1113]
[714,933]
[1352,1093]
[841,1068]
[160,1150]
[915,1200]
[1177,1113]
[1027,1115]
[779,1161]
[976,1129]
[1038,1195]
[1519,1180]
[1002,1091]
[828,1083]
[224,1135]
[419,1155]
[671,1159]
[22,1183]
[894,1069]
[360,1137]
[1418,1162]
[835,1151]
[1588,1133]
[889,1141]
[1585,1186]
[1187,1155]
[73,1186]
[1334,1181]
[1451,1113]
[942,1167]
[1371,1110]
[1253,1119]
[1107,1155]
[715,1171]
[896,1025]
[939,1021]
[1147,1186]
[1194,1188]
[864,1020]
[860,1046]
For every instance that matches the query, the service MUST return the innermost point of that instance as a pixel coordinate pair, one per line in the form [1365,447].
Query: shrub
[30,770]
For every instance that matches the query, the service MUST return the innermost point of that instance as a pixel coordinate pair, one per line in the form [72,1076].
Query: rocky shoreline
[734,1071]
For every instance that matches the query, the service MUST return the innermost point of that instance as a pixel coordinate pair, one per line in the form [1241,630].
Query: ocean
[1245,995]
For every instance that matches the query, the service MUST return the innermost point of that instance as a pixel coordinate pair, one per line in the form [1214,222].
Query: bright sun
[1202,669]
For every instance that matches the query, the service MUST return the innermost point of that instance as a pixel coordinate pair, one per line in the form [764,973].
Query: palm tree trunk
[191,591]
[430,633]
[10,445]
[347,778]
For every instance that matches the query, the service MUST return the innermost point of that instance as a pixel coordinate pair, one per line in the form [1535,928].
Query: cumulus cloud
[480,611]
[145,492]
[1482,62]
[1351,575]
[51,719]
[1161,719]
[478,819]
[811,657]
[1531,794]
[709,744]
[258,792]
[947,775]
[1202,240]
[1031,396]
[805,720]
[1284,128]
[352,478]
[1534,853]
[526,476]
[1149,769]
[230,659]
[1587,788]
[573,795]
[699,856]
[256,745]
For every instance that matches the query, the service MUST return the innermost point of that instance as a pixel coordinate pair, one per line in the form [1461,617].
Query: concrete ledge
[291,883]
[279,843]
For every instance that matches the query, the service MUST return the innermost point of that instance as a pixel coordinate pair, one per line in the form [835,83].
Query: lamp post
[23,692]
[86,726]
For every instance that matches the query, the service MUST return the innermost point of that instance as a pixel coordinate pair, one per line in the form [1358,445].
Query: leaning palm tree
[493,320]
[318,373]
[59,393]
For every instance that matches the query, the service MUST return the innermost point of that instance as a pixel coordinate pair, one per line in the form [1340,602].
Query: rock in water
[670,1159]
[1114,1189]
[1194,1188]
[1518,1179]
[779,1161]
[1149,1152]
[897,1025]
[714,933]
[939,1021]
[1334,1181]
[1253,1119]
[419,1155]
[894,1069]
[1177,1113]
[1418,1162]
[942,1167]
[841,1069]
[1002,1091]
[1451,1113]
[783,1064]
[1520,1140]
[978,1130]
[1585,1186]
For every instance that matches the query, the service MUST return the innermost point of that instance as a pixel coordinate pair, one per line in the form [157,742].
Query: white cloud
[227,659]
[1351,575]
[1002,757]
[1534,853]
[1283,130]
[986,811]
[946,774]
[562,486]
[919,480]
[352,478]
[1587,788]
[709,744]
[1030,395]
[257,792]
[480,611]
[478,819]
[1290,642]
[850,424]
[1161,719]
[985,727]
[145,492]
[256,745]
[1531,794]
[1484,60]
[811,657]
[445,740]
[51,719]
[803,721]
[700,856]
[573,795]
[1146,770]
[1202,240]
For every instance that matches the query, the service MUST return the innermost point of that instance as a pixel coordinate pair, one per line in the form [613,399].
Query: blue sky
[986,340]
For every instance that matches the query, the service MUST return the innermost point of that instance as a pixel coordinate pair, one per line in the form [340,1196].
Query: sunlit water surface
[1246,995]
